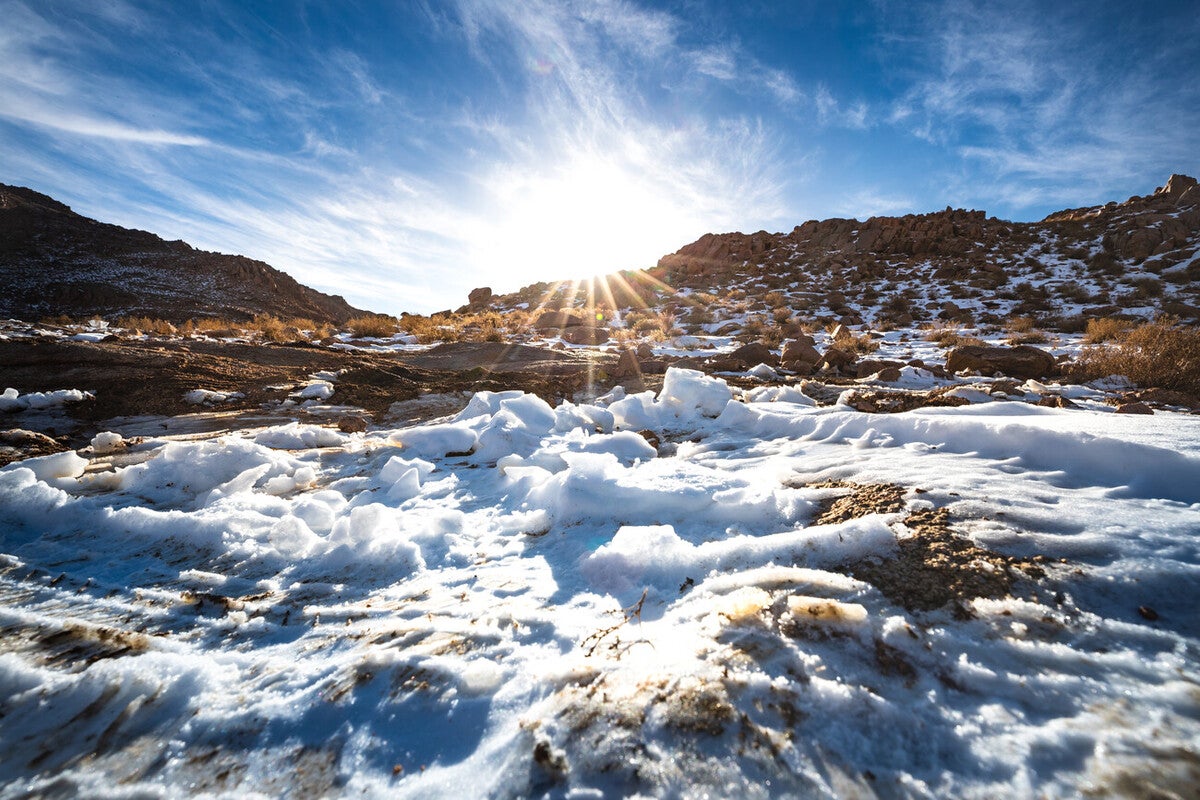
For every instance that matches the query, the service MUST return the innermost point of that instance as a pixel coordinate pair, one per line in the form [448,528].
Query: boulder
[837,358]
[479,298]
[583,334]
[797,352]
[554,320]
[1022,361]
[645,351]
[1134,408]
[627,366]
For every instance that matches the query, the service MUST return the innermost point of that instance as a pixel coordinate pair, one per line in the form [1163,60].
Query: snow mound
[535,601]
[13,401]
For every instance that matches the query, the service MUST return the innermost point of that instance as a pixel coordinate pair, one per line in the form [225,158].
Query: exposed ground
[133,378]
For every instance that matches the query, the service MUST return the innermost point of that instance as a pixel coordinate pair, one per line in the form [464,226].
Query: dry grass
[950,335]
[380,326]
[1106,329]
[1022,331]
[486,326]
[158,327]
[1161,354]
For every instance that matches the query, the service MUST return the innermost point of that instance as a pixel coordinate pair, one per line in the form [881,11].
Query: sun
[587,216]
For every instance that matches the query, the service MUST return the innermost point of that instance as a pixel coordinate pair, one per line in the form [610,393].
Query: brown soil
[134,378]
[879,498]
[936,566]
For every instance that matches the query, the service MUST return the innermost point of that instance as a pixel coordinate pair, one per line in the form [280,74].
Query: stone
[352,423]
[627,366]
[1022,361]
[583,334]
[553,320]
[797,352]
[645,351]
[1134,408]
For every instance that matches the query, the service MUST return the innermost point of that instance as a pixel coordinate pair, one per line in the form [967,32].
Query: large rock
[582,334]
[554,320]
[838,358]
[1022,361]
[480,297]
[797,353]
[627,366]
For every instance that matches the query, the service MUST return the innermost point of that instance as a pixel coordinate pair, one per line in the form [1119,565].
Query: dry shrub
[159,327]
[61,320]
[950,336]
[272,328]
[379,326]
[1106,329]
[1020,324]
[1022,331]
[1161,354]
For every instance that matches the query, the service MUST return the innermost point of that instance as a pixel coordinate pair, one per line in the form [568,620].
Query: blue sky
[401,153]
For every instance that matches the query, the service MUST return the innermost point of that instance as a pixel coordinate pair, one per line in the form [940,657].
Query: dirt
[936,566]
[863,499]
[138,378]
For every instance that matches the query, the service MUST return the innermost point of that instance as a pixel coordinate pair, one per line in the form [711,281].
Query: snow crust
[12,401]
[522,600]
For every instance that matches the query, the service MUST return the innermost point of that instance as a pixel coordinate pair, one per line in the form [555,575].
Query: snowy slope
[526,601]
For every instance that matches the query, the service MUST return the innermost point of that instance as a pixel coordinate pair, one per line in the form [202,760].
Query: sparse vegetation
[378,326]
[950,335]
[158,327]
[1106,329]
[1161,354]
[1022,330]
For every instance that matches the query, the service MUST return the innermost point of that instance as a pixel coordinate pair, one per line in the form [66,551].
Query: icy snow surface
[527,601]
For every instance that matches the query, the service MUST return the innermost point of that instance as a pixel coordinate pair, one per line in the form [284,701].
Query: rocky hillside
[54,261]
[1136,259]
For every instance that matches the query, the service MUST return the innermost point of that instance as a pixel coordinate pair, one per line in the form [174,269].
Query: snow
[203,397]
[13,401]
[630,596]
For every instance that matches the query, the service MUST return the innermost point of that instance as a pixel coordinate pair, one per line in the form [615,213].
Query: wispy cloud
[1044,106]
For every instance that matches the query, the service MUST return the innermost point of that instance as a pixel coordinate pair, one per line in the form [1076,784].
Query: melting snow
[594,600]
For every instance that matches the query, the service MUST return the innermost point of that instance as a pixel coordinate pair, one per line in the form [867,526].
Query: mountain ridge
[1138,258]
[55,261]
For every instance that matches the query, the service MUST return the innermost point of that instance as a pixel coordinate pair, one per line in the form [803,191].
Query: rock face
[54,261]
[1023,361]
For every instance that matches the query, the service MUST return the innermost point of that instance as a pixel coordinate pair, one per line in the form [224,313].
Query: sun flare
[590,216]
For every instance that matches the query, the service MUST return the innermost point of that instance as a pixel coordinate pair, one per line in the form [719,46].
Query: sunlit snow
[522,600]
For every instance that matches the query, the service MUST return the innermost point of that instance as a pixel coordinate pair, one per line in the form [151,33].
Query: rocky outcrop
[54,261]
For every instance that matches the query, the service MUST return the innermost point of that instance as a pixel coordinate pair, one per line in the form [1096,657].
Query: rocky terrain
[1133,260]
[55,262]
